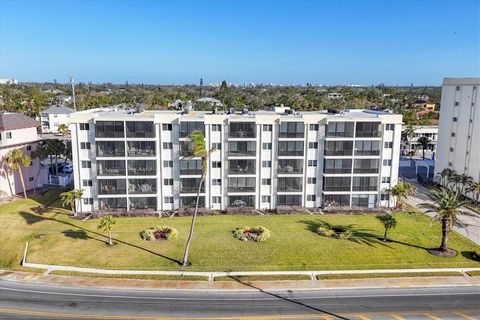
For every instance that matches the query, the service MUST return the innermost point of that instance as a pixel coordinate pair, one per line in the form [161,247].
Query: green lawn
[57,239]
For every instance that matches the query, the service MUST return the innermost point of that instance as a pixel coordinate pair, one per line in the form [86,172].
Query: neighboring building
[262,159]
[211,101]
[53,117]
[335,95]
[17,131]
[8,81]
[459,130]
[431,132]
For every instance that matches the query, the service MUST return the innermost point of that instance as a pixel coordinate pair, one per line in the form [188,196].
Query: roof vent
[333,111]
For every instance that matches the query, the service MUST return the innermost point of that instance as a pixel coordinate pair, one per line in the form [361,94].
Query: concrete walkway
[471,228]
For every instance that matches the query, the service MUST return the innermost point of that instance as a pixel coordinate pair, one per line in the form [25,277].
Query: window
[168,199]
[289,184]
[364,184]
[390,127]
[217,146]
[313,127]
[290,166]
[167,127]
[87,182]
[312,180]
[336,183]
[113,204]
[168,182]
[88,201]
[266,199]
[451,149]
[289,200]
[141,148]
[86,164]
[109,129]
[453,134]
[388,145]
[190,167]
[29,148]
[238,201]
[313,145]
[367,148]
[340,129]
[336,200]
[311,197]
[367,129]
[56,124]
[112,186]
[290,148]
[338,148]
[241,184]
[267,164]
[216,164]
[385,197]
[457,88]
[188,127]
[267,146]
[312,163]
[140,129]
[84,145]
[387,162]
[168,164]
[242,148]
[168,145]
[84,126]
[142,186]
[110,148]
[0,136]
[456,103]
[385,179]
[111,167]
[30,179]
[337,166]
[242,166]
[455,119]
[217,182]
[450,164]
[266,181]
[8,135]
[267,127]
[291,130]
[243,130]
[216,127]
[217,199]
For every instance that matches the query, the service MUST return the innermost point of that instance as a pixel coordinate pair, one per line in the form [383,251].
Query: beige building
[18,131]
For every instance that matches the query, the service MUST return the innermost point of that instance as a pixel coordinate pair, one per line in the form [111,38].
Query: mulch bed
[441,253]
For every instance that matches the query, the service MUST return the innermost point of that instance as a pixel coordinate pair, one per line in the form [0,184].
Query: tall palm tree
[446,205]
[70,198]
[199,150]
[474,189]
[400,192]
[40,153]
[16,159]
[424,142]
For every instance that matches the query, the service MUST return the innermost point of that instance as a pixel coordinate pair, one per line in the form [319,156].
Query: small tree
[106,225]
[63,129]
[389,222]
[409,133]
[16,159]
[400,192]
[70,198]
[474,189]
[444,175]
[40,153]
[424,142]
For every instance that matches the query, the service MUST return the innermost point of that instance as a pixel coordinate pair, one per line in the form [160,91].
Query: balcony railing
[134,152]
[142,187]
[241,189]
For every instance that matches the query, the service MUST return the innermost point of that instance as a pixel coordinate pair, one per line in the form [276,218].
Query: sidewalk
[471,228]
[74,281]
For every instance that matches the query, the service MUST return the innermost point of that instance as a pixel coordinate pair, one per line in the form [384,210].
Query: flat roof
[461,81]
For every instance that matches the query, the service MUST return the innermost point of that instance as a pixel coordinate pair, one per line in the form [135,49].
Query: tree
[464,182]
[63,129]
[199,150]
[424,142]
[106,225]
[70,198]
[400,192]
[446,207]
[40,153]
[445,175]
[409,133]
[16,159]
[389,222]
[474,189]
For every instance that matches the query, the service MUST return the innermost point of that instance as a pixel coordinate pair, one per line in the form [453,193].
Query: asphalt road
[33,301]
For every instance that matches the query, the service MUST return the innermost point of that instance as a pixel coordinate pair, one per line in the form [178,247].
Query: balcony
[339,129]
[241,201]
[190,185]
[190,167]
[242,130]
[113,204]
[291,130]
[188,127]
[365,184]
[109,129]
[141,148]
[143,204]
[367,148]
[110,148]
[142,186]
[290,166]
[242,148]
[111,167]
[368,130]
[242,167]
[142,167]
[190,201]
[112,186]
[289,200]
[289,184]
[290,148]
[140,129]
[337,184]
[338,148]
[338,166]
[241,185]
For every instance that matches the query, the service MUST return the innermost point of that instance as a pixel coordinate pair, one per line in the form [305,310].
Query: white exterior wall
[459,115]
[164,192]
[51,121]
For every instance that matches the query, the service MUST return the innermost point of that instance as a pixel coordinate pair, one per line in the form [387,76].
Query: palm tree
[106,224]
[16,159]
[40,153]
[409,133]
[389,222]
[199,150]
[474,189]
[424,142]
[69,198]
[454,180]
[401,191]
[447,206]
[63,129]
[464,181]
[444,175]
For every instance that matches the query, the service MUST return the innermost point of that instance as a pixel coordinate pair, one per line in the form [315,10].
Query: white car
[68,168]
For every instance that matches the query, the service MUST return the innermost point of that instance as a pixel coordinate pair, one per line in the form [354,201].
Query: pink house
[17,131]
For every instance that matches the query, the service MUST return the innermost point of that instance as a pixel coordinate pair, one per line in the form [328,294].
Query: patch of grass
[387,275]
[264,278]
[473,273]
[55,238]
[129,276]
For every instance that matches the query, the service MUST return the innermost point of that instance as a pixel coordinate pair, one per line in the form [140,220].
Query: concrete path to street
[471,228]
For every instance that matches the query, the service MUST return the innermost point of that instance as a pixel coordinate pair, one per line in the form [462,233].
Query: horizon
[177,43]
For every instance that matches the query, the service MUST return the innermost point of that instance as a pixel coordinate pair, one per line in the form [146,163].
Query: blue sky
[321,42]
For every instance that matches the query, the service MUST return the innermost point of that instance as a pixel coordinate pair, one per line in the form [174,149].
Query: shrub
[291,210]
[245,210]
[159,233]
[257,234]
[187,211]
[476,256]
[337,232]
[325,232]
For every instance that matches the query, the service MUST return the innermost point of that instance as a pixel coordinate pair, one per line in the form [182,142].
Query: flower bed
[337,232]
[159,233]
[257,234]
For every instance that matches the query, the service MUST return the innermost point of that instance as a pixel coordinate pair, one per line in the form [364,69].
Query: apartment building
[53,117]
[429,132]
[136,161]
[459,130]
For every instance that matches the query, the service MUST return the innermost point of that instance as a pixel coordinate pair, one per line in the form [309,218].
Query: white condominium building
[265,159]
[459,130]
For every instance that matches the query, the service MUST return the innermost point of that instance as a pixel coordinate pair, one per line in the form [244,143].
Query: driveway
[471,228]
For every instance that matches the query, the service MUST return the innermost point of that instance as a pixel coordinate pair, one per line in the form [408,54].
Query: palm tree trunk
[23,183]
[110,238]
[443,246]
[187,248]
[7,175]
[36,180]
[423,153]
[385,235]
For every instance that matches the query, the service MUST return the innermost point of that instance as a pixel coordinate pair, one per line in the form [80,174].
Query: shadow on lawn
[32,218]
[291,300]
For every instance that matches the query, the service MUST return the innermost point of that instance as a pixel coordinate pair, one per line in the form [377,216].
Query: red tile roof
[13,121]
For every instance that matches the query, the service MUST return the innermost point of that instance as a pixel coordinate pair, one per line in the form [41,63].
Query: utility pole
[201,86]
[72,82]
